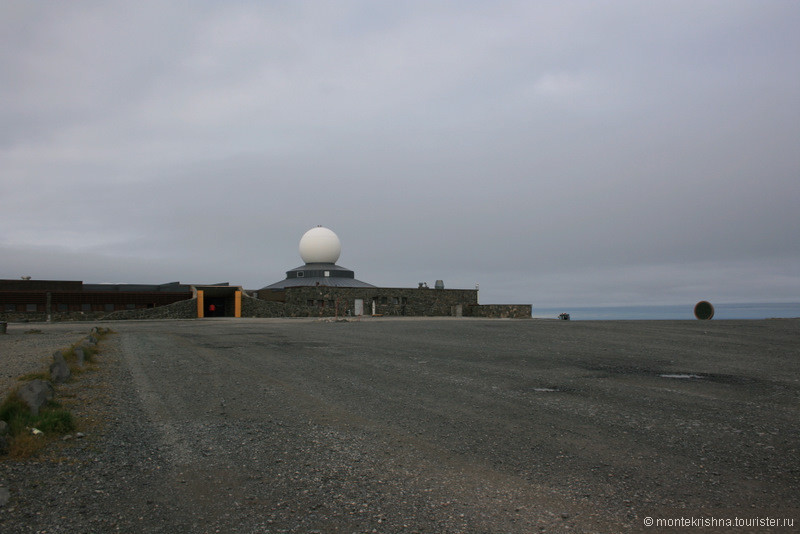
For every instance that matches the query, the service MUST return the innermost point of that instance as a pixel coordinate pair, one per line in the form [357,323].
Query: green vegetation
[89,351]
[52,417]
[53,420]
[34,376]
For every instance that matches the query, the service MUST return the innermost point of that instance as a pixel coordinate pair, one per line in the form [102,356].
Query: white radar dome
[320,245]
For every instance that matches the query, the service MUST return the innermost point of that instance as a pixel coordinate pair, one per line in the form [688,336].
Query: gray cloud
[583,154]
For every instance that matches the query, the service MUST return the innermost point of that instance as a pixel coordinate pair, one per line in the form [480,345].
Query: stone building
[318,288]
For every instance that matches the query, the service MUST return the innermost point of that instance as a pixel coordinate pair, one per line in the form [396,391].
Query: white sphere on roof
[320,245]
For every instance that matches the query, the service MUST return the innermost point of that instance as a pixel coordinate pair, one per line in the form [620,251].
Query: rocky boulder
[35,394]
[80,356]
[59,370]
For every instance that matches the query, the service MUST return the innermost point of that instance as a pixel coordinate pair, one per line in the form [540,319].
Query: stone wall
[319,301]
[325,301]
[187,309]
[252,307]
[183,309]
[500,311]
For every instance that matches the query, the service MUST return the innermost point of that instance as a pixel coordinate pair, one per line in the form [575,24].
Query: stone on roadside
[80,356]
[35,394]
[59,370]
[3,428]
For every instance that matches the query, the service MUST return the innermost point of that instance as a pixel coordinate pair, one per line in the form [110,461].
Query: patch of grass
[16,413]
[53,420]
[34,376]
[89,356]
[89,351]
[25,445]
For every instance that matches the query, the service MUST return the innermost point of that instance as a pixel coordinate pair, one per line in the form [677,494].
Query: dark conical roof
[318,274]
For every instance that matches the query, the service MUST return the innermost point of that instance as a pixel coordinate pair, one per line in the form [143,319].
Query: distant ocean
[721,311]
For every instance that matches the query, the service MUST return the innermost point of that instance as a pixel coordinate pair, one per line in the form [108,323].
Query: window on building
[404,300]
[130,306]
[108,307]
[384,300]
[300,274]
[327,273]
[62,307]
[395,301]
[310,302]
[86,307]
[11,307]
[31,307]
[320,303]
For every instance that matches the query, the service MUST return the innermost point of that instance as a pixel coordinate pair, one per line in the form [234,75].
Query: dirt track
[430,426]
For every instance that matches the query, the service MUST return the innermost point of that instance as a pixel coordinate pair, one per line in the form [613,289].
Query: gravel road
[421,425]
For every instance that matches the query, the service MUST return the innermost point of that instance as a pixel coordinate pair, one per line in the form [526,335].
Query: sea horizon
[722,311]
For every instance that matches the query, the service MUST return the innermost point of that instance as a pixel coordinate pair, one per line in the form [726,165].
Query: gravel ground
[399,425]
[29,347]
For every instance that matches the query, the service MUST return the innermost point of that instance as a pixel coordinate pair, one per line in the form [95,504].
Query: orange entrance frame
[232,295]
[200,307]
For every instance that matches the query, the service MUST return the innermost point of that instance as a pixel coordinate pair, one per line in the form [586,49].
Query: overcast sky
[556,153]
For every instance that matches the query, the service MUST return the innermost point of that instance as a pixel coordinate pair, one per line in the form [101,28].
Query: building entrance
[218,301]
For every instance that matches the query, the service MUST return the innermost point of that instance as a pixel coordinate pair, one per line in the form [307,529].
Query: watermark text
[731,522]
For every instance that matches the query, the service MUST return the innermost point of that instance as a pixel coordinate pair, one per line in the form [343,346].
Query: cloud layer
[578,154]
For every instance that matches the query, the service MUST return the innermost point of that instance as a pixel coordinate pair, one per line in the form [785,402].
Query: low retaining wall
[252,307]
[187,309]
[500,311]
[322,301]
[184,309]
[389,302]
